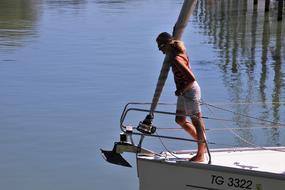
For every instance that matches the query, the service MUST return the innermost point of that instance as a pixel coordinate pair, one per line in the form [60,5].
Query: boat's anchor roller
[114,156]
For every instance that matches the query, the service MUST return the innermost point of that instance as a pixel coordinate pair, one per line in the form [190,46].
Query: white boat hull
[156,174]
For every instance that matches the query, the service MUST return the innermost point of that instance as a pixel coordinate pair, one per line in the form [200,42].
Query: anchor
[114,156]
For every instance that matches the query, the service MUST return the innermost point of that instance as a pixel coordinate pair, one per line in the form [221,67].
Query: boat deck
[257,159]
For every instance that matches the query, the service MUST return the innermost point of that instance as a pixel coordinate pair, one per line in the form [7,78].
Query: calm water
[67,67]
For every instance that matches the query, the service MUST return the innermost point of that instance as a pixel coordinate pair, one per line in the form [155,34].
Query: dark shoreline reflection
[116,6]
[250,46]
[18,21]
[57,4]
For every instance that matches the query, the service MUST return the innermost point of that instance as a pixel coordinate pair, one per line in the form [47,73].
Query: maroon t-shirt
[182,71]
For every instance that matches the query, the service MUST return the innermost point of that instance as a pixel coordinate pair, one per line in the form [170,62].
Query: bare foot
[197,158]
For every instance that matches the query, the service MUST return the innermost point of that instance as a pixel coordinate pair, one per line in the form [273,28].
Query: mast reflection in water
[250,46]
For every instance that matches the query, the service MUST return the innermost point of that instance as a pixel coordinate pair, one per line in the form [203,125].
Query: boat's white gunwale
[215,168]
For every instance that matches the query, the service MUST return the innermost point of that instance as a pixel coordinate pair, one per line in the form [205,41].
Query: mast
[179,27]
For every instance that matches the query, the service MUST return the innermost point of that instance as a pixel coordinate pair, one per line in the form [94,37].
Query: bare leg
[200,129]
[187,126]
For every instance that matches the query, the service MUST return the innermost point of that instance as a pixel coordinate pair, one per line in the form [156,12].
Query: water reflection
[113,3]
[76,4]
[18,21]
[250,44]
[115,6]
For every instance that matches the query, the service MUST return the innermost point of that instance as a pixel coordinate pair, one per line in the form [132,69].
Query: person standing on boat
[187,91]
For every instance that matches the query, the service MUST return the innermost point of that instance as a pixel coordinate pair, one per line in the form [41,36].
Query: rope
[162,143]
[247,103]
[247,116]
[237,135]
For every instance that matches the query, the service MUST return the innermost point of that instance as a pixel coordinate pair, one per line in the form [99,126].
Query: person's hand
[178,93]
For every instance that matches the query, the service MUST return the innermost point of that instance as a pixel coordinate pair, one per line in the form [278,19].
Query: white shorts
[189,103]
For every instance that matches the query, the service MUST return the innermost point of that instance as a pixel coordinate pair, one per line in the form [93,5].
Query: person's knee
[196,119]
[180,120]
[197,115]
